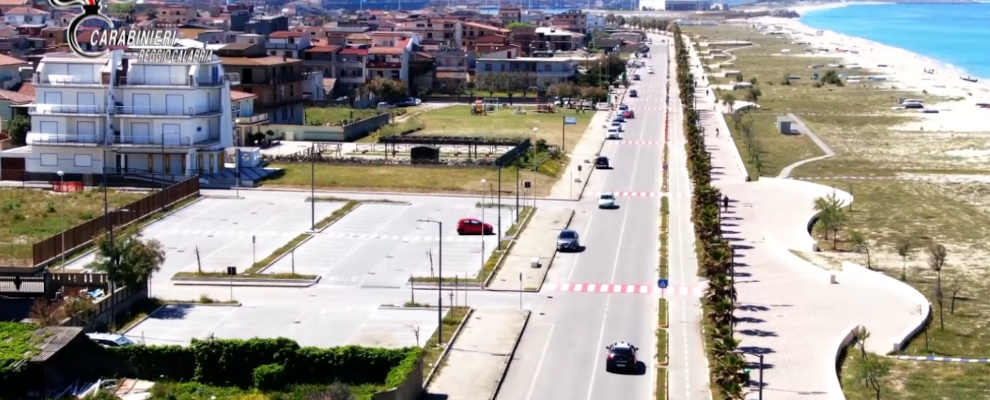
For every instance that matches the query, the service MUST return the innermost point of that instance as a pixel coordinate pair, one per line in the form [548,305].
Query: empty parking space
[222,230]
[382,245]
[309,325]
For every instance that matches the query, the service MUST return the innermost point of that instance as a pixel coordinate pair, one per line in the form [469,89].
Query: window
[284,115]
[50,127]
[83,160]
[49,160]
[488,67]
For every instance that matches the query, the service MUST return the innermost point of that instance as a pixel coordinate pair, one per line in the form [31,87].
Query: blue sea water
[957,34]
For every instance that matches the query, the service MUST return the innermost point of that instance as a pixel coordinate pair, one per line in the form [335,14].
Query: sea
[955,34]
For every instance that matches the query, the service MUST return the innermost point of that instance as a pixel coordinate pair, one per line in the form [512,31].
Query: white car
[651,71]
[606,200]
[110,339]
[618,125]
[613,133]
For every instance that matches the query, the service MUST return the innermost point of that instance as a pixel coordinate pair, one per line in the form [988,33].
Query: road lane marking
[577,257]
[539,365]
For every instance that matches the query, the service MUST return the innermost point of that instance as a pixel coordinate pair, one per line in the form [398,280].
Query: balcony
[233,77]
[67,80]
[285,46]
[451,68]
[140,111]
[260,118]
[55,139]
[556,73]
[187,81]
[384,65]
[167,140]
[56,109]
[281,79]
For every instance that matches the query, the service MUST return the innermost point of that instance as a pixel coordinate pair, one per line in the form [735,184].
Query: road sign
[570,120]
[662,283]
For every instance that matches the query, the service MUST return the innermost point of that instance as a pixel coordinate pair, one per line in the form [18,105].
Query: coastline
[902,69]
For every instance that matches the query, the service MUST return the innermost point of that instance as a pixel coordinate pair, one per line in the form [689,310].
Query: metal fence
[49,249]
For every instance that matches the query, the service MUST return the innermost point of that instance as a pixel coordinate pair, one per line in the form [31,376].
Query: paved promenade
[538,240]
[789,309]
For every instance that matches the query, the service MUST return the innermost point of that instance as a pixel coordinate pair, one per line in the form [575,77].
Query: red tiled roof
[354,51]
[15,97]
[392,51]
[26,11]
[27,89]
[486,27]
[322,49]
[237,95]
[286,34]
[8,61]
[14,2]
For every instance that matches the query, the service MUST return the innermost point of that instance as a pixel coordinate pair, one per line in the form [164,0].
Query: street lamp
[760,355]
[61,212]
[312,185]
[439,279]
[483,223]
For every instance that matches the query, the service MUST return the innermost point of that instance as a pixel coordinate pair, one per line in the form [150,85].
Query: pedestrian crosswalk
[696,291]
[334,235]
[630,194]
[640,142]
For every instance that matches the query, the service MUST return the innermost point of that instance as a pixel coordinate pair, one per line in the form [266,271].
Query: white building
[157,120]
[594,21]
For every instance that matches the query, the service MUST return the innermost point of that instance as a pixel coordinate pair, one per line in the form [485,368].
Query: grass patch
[524,212]
[16,343]
[914,380]
[662,345]
[776,150]
[256,268]
[432,351]
[198,391]
[28,216]
[661,389]
[458,121]
[410,125]
[666,170]
[664,250]
[408,178]
[334,216]
[318,116]
[223,275]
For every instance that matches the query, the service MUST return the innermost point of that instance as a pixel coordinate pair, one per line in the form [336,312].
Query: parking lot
[382,245]
[316,325]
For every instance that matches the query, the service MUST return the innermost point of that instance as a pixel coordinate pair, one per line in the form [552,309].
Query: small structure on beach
[785,125]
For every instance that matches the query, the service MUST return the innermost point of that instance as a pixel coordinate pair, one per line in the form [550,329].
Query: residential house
[554,39]
[509,15]
[174,15]
[11,71]
[535,17]
[277,81]
[53,36]
[440,31]
[321,58]
[287,43]
[7,5]
[351,69]
[473,30]
[616,44]
[452,68]
[13,103]
[572,20]
[594,22]
[389,55]
[540,71]
[18,16]
[267,24]
[216,36]
[162,121]
[357,39]
[525,38]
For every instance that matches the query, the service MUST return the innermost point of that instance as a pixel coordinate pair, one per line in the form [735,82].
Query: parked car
[409,102]
[384,105]
[473,226]
[636,77]
[617,126]
[623,107]
[110,339]
[620,118]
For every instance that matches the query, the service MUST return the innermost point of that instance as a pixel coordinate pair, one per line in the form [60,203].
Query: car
[621,356]
[473,226]
[619,117]
[618,126]
[628,114]
[602,163]
[633,93]
[623,107]
[409,102]
[636,77]
[606,200]
[651,71]
[384,105]
[110,339]
[341,99]
[613,134]
[568,240]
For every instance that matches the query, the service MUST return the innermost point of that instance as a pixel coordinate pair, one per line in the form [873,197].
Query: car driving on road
[621,356]
[473,226]
[606,200]
[633,93]
[617,125]
[602,163]
[613,134]
[568,240]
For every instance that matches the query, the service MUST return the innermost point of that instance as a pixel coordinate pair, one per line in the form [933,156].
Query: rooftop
[26,11]
[238,95]
[286,34]
[322,49]
[8,61]
[261,61]
[392,51]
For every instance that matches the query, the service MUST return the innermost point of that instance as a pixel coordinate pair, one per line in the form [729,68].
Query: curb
[308,238]
[522,224]
[144,318]
[263,188]
[586,181]
[446,349]
[360,203]
[244,282]
[194,303]
[512,354]
[554,257]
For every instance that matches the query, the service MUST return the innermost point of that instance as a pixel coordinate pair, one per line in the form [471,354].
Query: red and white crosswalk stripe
[631,194]
[616,288]
[641,142]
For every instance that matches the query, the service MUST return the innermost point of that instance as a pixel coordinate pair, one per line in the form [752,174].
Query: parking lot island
[537,242]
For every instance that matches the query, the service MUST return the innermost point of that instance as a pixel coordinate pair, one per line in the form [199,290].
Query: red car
[629,114]
[473,226]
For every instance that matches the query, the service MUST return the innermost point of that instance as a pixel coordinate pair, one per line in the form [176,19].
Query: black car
[621,357]
[602,163]
[568,240]
[632,93]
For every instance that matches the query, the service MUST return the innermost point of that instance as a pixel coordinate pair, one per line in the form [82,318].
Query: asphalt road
[562,353]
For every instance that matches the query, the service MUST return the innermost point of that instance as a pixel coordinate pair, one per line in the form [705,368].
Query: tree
[46,313]
[387,90]
[129,259]
[955,286]
[518,25]
[729,100]
[858,240]
[753,94]
[121,8]
[151,14]
[18,128]
[903,248]
[936,261]
[830,215]
[871,369]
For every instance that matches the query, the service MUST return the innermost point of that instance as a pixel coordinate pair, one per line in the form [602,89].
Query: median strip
[662,306]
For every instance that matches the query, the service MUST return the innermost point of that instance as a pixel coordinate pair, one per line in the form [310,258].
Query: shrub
[232,362]
[174,363]
[269,377]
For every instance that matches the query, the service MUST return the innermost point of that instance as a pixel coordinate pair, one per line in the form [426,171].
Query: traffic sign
[662,283]
[570,120]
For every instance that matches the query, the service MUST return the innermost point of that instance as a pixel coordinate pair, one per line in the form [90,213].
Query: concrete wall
[410,389]
[365,126]
[350,132]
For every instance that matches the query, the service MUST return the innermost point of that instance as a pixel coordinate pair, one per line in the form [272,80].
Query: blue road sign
[570,120]
[662,283]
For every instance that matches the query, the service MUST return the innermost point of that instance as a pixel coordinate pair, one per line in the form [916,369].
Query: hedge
[232,362]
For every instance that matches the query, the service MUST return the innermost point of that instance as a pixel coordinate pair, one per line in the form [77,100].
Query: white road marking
[578,287]
[564,287]
[578,255]
[539,365]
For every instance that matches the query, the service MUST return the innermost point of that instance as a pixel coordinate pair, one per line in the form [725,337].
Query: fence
[49,249]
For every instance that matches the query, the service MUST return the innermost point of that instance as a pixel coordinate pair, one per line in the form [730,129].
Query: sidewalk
[727,165]
[538,240]
[571,183]
[480,354]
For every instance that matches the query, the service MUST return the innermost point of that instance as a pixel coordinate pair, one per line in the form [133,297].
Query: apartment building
[452,68]
[436,31]
[388,56]
[287,43]
[554,39]
[509,15]
[277,81]
[119,115]
[27,16]
[267,24]
[543,71]
[351,68]
[572,20]
[321,58]
[473,30]
[172,16]
[7,5]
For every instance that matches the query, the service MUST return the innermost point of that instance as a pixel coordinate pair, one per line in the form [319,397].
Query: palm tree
[721,313]
[720,287]
[729,375]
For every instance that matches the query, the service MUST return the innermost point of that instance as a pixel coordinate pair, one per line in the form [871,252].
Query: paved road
[562,355]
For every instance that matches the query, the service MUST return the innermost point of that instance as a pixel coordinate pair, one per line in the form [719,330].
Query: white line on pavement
[539,365]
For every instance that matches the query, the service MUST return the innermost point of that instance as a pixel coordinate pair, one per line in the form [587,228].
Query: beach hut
[784,124]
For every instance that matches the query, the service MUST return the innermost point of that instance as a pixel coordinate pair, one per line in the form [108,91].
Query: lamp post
[533,174]
[312,185]
[164,199]
[483,223]
[498,207]
[61,212]
[439,279]
[761,369]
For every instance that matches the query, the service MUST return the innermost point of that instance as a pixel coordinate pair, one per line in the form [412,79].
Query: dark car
[568,240]
[621,357]
[632,93]
[602,162]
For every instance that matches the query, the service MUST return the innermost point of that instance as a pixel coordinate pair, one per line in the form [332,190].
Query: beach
[901,69]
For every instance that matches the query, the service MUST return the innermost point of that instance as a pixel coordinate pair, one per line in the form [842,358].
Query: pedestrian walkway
[537,241]
[789,310]
[479,355]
